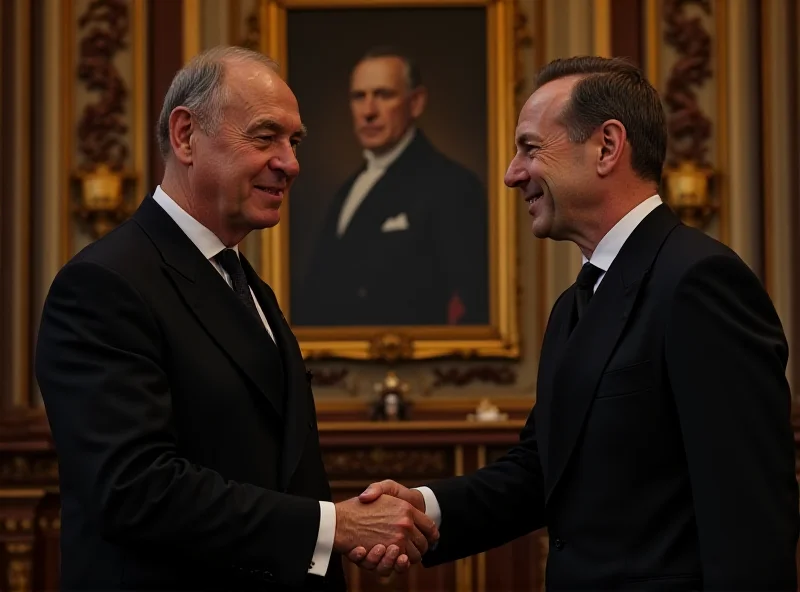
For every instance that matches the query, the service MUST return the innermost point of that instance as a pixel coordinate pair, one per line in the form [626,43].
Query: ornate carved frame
[500,338]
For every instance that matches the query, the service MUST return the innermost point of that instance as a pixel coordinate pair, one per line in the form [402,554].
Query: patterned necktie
[584,286]
[230,262]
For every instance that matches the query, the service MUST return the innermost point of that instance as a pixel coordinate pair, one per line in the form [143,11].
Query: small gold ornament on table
[391,404]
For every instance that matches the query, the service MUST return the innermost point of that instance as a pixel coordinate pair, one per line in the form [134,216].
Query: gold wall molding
[15,207]
[191,29]
[652,32]
[740,83]
[602,28]
[779,157]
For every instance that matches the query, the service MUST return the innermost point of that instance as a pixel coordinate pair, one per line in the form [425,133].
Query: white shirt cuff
[432,509]
[324,548]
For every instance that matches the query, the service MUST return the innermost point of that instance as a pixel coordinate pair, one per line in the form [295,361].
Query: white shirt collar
[610,245]
[382,161]
[205,240]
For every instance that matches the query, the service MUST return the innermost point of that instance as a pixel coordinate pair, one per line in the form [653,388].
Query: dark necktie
[230,262]
[584,286]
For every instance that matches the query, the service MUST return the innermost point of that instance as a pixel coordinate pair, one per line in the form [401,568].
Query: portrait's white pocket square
[395,223]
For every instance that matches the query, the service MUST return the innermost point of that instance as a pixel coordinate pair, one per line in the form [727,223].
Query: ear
[612,138]
[181,126]
[419,98]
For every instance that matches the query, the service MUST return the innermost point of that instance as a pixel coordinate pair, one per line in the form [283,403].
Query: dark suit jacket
[660,452]
[370,277]
[187,442]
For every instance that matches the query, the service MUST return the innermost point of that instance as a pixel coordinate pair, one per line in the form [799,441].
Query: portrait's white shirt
[604,254]
[209,245]
[376,167]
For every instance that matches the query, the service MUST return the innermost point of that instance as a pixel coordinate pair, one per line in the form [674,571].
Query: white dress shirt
[376,167]
[604,254]
[209,245]
[611,244]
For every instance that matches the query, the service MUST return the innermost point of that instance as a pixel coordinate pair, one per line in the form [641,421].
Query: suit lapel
[586,351]
[296,419]
[555,339]
[214,304]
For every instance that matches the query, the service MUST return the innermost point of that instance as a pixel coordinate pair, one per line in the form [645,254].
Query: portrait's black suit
[187,441]
[659,453]
[375,276]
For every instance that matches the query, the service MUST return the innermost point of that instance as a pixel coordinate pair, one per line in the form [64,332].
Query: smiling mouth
[531,199]
[273,191]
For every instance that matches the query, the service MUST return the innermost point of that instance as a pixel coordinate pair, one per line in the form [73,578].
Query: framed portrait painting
[398,239]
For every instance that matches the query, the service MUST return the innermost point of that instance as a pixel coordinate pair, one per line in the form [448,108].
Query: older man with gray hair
[179,403]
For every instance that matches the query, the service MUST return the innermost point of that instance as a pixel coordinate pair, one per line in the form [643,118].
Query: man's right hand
[386,521]
[381,558]
[393,488]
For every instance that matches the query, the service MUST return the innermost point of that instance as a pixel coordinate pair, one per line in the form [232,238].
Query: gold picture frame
[500,337]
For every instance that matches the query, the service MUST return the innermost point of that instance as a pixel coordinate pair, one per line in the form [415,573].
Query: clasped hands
[389,520]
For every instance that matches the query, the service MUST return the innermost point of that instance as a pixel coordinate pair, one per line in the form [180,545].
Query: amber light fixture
[689,193]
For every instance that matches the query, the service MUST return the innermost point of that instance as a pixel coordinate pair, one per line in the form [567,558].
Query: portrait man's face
[382,104]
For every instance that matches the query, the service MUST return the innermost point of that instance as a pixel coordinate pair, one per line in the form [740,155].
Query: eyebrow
[526,137]
[378,89]
[274,126]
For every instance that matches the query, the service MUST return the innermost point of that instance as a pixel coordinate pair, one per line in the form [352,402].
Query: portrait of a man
[404,236]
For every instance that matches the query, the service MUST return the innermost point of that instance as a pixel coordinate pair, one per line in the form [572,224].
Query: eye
[266,138]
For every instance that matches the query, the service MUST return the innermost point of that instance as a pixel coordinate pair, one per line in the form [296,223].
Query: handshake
[385,528]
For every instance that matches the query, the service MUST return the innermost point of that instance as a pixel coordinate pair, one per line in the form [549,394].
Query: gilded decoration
[688,174]
[102,130]
[502,39]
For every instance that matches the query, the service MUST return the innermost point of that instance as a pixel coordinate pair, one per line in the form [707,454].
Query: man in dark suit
[405,240]
[659,453]
[179,402]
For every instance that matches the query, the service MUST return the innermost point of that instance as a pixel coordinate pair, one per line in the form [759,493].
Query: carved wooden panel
[689,127]
[693,160]
[30,519]
[374,463]
[105,166]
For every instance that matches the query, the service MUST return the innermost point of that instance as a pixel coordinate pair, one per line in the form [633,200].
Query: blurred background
[82,85]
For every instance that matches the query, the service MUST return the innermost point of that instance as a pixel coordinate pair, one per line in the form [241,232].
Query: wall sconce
[688,193]
[102,204]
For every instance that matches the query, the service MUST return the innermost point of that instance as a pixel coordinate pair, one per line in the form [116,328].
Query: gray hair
[412,72]
[199,87]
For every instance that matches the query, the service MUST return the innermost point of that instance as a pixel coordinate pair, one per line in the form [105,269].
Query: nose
[516,175]
[370,108]
[285,161]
